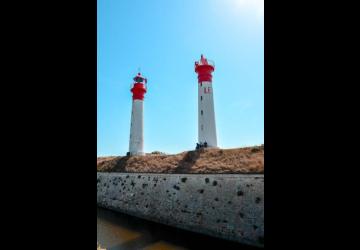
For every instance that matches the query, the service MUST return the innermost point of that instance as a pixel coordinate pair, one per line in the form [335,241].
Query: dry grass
[240,160]
[102,159]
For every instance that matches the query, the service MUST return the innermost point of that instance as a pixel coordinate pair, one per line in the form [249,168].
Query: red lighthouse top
[204,68]
[139,87]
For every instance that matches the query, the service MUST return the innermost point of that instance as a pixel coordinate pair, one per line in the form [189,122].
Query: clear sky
[164,38]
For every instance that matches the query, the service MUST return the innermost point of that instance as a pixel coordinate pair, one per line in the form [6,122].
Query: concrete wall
[225,206]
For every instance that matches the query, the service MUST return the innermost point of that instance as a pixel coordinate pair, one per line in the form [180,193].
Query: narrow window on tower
[202,112]
[201,97]
[202,127]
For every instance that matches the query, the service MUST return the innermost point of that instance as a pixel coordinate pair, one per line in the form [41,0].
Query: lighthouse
[206,112]
[138,89]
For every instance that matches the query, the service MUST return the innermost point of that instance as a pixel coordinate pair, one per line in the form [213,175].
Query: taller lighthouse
[206,112]
[138,89]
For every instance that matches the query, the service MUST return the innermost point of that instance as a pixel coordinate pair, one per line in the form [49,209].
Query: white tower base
[207,127]
[136,145]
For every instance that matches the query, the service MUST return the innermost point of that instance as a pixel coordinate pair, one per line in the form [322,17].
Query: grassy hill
[210,160]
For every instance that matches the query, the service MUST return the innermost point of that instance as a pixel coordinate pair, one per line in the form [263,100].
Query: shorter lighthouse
[206,112]
[138,89]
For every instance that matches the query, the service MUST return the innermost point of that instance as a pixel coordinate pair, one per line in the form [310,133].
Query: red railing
[205,61]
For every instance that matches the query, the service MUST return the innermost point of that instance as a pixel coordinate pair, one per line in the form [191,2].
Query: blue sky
[164,38]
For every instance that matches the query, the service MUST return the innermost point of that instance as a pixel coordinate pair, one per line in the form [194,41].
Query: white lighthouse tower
[138,89]
[206,125]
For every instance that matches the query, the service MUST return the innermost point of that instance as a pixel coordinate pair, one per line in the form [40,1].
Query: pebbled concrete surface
[229,206]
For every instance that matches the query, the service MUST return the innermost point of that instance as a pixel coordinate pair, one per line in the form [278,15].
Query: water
[117,231]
